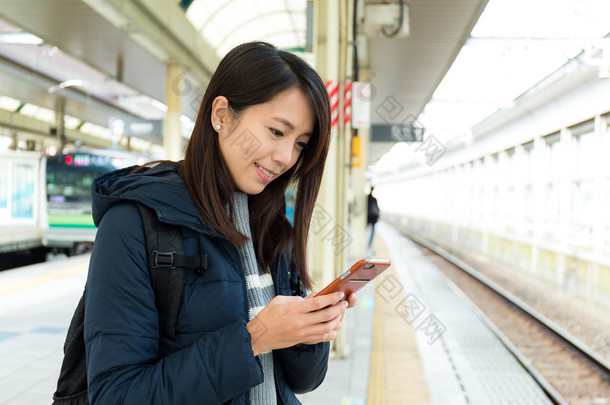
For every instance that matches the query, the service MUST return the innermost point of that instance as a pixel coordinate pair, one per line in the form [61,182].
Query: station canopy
[514,46]
[225,24]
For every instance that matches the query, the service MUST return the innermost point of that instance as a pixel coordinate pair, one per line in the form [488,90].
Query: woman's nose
[283,152]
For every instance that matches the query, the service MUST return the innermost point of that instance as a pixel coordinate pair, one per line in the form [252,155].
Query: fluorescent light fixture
[158,105]
[71,122]
[67,83]
[46,115]
[9,104]
[138,143]
[92,129]
[19,38]
[110,14]
[29,110]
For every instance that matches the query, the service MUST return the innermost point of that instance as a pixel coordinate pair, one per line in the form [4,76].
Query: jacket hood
[160,188]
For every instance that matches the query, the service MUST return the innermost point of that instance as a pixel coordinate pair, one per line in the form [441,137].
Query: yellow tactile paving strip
[43,278]
[377,386]
[397,374]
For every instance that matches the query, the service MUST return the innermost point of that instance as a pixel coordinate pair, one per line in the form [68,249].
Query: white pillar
[172,139]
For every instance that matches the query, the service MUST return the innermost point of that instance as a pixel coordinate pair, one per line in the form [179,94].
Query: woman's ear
[220,112]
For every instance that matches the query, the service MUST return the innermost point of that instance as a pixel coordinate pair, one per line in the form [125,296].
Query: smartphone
[356,277]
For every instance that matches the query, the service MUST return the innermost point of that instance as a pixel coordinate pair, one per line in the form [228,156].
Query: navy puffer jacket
[211,359]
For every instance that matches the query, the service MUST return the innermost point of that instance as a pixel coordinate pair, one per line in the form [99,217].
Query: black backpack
[166,263]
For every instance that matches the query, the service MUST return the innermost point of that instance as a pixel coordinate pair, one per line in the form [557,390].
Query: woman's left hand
[351,300]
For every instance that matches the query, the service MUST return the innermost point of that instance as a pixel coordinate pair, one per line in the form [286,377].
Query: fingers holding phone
[329,322]
[352,300]
[287,321]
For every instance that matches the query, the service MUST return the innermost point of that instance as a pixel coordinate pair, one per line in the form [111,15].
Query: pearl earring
[217,127]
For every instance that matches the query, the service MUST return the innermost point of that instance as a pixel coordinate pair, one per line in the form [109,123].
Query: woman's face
[266,140]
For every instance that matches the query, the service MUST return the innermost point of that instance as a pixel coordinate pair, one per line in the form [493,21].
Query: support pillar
[330,235]
[60,112]
[172,139]
[359,191]
[326,48]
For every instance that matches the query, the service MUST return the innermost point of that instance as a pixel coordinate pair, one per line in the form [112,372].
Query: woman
[242,338]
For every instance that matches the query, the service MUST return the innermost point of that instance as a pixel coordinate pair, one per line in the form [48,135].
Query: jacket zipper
[277,277]
[279,391]
[241,274]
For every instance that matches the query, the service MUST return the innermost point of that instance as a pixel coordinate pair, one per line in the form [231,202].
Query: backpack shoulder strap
[166,263]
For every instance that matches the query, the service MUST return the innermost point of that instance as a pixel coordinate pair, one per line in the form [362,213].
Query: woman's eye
[276,132]
[302,145]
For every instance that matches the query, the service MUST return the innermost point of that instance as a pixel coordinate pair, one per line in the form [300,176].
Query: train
[45,197]
[68,226]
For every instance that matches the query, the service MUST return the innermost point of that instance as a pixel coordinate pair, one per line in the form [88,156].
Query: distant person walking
[371,219]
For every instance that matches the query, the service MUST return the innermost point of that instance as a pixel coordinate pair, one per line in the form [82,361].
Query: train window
[585,156]
[3,185]
[551,138]
[23,191]
[583,127]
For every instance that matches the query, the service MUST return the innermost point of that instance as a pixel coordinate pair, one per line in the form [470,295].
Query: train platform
[411,339]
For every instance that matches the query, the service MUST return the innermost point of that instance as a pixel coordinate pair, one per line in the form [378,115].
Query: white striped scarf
[259,288]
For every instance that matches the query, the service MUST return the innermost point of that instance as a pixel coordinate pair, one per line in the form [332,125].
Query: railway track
[567,370]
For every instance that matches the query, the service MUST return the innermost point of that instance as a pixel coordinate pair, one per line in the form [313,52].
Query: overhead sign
[396,133]
[136,127]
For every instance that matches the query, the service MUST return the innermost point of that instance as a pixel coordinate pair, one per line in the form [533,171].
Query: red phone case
[356,277]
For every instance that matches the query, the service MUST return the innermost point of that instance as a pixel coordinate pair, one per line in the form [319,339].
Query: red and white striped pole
[348,102]
[332,86]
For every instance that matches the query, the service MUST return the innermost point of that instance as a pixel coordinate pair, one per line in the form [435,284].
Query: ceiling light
[67,83]
[45,115]
[71,122]
[9,104]
[20,38]
[158,105]
[29,110]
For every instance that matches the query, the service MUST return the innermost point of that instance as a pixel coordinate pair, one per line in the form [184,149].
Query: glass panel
[227,24]
[586,150]
[3,185]
[22,197]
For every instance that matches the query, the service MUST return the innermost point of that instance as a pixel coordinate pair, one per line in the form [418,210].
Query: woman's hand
[287,321]
[351,300]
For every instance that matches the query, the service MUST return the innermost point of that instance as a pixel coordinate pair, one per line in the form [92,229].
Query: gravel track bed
[569,373]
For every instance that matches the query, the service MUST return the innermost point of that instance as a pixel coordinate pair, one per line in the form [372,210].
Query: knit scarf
[260,292]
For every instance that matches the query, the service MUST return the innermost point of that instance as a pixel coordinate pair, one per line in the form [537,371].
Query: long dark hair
[254,73]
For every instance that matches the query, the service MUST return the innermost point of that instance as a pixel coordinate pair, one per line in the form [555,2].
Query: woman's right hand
[287,321]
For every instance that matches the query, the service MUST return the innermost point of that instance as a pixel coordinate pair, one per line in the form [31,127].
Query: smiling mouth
[265,171]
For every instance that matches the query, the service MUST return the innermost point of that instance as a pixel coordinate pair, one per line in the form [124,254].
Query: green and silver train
[69,176]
